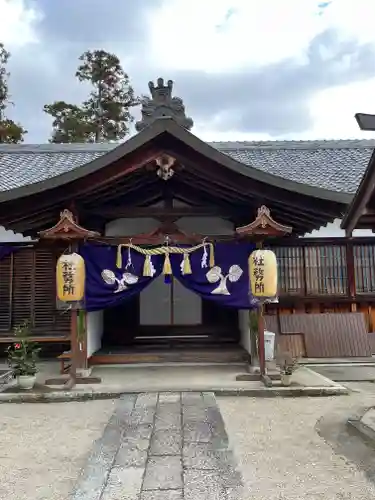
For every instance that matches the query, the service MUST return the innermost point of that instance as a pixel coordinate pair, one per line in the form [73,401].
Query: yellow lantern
[263,273]
[70,278]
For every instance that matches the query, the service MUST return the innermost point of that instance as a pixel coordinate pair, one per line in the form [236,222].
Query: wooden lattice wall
[28,292]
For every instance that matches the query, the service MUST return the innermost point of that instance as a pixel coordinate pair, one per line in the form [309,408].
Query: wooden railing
[336,267]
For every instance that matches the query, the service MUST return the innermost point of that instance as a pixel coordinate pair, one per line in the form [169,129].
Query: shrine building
[114,203]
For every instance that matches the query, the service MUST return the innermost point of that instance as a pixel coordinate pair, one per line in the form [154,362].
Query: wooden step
[118,356]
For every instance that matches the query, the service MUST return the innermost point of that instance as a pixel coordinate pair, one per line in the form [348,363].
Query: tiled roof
[333,165]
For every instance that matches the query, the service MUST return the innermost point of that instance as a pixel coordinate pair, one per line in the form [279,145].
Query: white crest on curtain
[216,275]
[109,278]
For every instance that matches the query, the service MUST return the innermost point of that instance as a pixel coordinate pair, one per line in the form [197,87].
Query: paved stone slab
[162,495]
[128,456]
[169,397]
[166,442]
[138,436]
[167,446]
[123,484]
[369,418]
[191,398]
[141,416]
[163,472]
[148,399]
[209,399]
[191,414]
[168,417]
[346,373]
[94,476]
[198,432]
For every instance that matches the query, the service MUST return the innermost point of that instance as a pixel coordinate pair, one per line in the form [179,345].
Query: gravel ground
[43,446]
[282,456]
[279,450]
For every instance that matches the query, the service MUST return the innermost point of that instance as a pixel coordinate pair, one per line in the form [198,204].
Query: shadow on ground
[347,442]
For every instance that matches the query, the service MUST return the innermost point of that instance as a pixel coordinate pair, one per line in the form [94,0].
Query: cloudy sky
[246,69]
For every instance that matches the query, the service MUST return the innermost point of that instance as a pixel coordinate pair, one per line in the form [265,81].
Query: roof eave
[257,174]
[115,154]
[360,198]
[169,125]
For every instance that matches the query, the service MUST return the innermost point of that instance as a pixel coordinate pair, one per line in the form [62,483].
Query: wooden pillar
[261,348]
[73,348]
[351,275]
[68,230]
[261,328]
[261,229]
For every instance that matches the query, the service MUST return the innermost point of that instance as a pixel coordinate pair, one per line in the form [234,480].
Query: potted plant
[288,365]
[23,356]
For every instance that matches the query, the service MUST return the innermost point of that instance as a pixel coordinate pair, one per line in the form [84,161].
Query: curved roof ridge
[295,169]
[292,144]
[276,144]
[76,147]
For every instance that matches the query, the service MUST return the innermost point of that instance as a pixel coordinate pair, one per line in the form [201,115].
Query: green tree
[10,132]
[69,123]
[106,114]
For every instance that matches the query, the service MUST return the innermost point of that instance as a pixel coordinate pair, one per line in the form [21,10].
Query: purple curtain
[6,250]
[227,283]
[106,285]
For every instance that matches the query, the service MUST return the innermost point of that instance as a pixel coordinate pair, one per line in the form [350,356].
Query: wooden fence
[322,335]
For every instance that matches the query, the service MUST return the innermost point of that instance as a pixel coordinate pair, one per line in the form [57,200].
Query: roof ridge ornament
[162,105]
[67,229]
[263,225]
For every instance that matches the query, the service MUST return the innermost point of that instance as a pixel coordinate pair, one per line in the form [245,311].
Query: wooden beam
[256,198]
[366,219]
[57,206]
[44,217]
[167,196]
[160,212]
[131,184]
[292,241]
[250,205]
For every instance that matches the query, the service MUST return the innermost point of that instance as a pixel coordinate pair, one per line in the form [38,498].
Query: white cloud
[215,35]
[17,23]
[352,18]
[229,35]
[224,34]
[334,109]
[220,35]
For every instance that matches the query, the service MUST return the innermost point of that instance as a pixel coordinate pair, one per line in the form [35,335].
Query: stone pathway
[162,446]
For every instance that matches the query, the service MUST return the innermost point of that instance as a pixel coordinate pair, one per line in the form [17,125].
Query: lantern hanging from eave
[70,278]
[263,273]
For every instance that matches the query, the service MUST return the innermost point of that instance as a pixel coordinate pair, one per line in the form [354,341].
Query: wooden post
[264,226]
[73,349]
[68,229]
[254,339]
[351,275]
[261,349]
